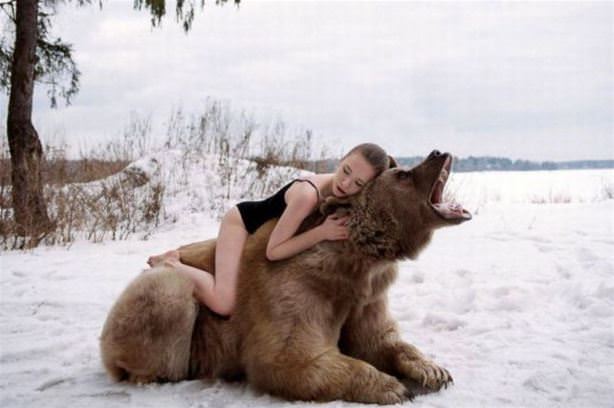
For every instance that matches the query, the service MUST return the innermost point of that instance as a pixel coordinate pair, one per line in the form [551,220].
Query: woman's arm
[301,202]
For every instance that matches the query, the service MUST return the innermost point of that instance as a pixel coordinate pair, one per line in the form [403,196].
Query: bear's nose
[434,153]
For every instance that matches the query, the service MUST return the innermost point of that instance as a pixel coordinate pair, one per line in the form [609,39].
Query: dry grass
[607,190]
[84,198]
[98,208]
[552,198]
[231,137]
[95,197]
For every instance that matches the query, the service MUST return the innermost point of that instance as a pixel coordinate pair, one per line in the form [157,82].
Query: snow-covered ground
[518,304]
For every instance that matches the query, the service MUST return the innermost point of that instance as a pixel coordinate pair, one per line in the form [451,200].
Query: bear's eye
[403,175]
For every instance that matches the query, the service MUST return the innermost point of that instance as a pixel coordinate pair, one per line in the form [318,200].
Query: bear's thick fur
[312,327]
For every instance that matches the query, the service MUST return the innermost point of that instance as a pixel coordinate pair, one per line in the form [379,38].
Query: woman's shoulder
[318,179]
[303,191]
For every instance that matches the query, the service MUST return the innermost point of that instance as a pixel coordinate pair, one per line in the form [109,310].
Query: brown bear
[312,327]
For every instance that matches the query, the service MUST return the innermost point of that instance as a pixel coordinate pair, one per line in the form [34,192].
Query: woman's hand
[334,228]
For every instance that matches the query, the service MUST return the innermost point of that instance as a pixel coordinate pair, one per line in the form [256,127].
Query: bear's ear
[332,204]
[392,163]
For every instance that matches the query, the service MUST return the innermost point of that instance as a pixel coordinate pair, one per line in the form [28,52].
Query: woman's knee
[225,308]
[223,304]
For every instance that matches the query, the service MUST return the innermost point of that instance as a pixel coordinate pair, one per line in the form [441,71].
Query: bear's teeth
[443,175]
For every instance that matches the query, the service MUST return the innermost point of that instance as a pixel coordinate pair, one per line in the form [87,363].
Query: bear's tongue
[451,210]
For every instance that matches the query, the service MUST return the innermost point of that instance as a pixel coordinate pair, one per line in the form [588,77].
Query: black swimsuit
[256,213]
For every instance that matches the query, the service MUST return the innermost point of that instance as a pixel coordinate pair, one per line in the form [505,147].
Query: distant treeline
[487,163]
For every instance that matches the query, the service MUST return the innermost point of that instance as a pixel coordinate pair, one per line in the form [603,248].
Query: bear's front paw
[426,372]
[386,390]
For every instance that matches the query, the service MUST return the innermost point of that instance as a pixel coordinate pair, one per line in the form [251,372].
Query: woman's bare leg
[217,292]
[229,248]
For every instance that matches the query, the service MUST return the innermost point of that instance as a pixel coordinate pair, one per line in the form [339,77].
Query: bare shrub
[98,196]
[560,198]
[110,209]
[231,145]
[134,142]
[277,148]
[607,189]
[113,207]
[7,223]
[551,197]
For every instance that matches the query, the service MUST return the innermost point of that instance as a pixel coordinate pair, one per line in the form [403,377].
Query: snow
[537,187]
[200,182]
[518,304]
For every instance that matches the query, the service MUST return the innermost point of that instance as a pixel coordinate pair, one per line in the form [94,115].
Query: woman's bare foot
[167,256]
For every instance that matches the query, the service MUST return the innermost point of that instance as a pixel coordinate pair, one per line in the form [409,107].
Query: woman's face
[351,175]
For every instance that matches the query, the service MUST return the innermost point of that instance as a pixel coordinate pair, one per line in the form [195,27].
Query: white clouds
[477,77]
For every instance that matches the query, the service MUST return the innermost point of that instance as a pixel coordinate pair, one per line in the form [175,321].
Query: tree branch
[9,9]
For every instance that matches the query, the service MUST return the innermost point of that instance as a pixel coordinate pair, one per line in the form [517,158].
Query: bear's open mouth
[450,210]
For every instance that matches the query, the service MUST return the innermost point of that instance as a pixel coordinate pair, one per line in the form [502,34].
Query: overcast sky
[521,80]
